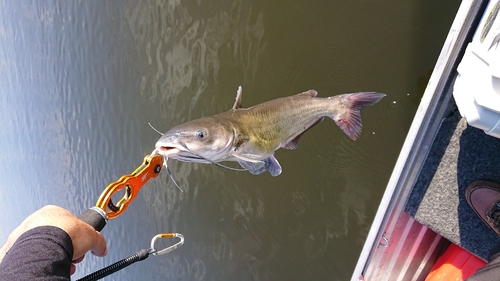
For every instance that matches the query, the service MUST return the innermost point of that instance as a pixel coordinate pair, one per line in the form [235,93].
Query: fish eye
[201,134]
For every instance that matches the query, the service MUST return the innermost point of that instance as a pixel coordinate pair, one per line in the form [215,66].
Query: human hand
[84,237]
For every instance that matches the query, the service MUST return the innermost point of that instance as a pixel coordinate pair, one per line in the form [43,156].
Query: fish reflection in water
[250,136]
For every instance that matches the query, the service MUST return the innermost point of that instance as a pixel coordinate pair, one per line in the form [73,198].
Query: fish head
[204,140]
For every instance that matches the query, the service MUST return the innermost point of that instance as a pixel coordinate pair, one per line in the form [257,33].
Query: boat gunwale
[423,129]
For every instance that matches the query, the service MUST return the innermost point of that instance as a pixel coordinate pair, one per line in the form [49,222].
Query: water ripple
[183,50]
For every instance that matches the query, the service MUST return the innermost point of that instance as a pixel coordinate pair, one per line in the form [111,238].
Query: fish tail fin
[347,114]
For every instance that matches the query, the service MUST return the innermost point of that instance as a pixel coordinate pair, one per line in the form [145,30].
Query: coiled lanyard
[138,256]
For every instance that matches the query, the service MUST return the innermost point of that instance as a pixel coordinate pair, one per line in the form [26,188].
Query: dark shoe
[484,198]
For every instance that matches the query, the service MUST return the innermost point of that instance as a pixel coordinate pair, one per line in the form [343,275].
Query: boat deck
[460,155]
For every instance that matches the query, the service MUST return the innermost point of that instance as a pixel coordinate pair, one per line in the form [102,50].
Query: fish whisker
[165,160]
[210,161]
[155,129]
[227,167]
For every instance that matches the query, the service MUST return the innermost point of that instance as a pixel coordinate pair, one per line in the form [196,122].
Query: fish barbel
[250,136]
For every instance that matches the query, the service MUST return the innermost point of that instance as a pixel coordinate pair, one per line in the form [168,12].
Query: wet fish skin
[250,136]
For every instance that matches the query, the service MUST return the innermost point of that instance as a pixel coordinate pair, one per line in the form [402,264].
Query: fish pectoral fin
[258,167]
[273,166]
[237,102]
[254,168]
[244,157]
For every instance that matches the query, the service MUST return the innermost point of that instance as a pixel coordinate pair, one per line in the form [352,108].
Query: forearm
[42,253]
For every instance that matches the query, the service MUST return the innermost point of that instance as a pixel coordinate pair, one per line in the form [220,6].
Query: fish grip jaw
[130,184]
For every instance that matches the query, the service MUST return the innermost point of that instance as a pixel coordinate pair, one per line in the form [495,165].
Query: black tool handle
[95,217]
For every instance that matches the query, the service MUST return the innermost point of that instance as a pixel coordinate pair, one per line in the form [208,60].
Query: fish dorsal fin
[237,102]
[310,93]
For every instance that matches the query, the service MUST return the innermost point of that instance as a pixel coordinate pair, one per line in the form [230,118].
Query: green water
[81,80]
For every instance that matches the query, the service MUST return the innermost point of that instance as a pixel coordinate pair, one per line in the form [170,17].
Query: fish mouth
[180,153]
[167,150]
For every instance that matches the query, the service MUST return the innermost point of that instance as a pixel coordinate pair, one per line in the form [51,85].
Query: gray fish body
[251,136]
